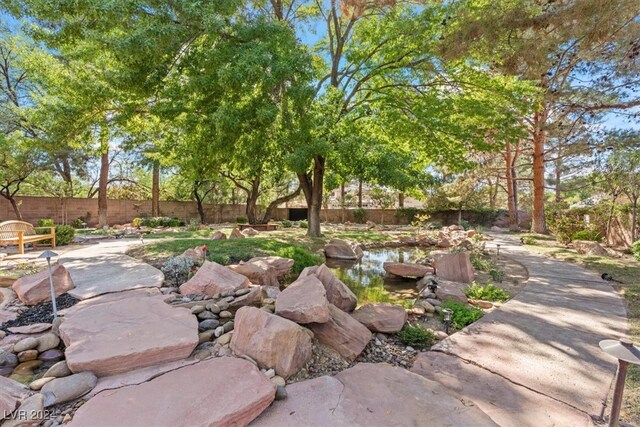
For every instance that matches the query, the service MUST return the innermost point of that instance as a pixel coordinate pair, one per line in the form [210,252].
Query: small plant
[462,315]
[303,224]
[416,336]
[488,292]
[286,223]
[194,225]
[136,222]
[496,274]
[591,235]
[178,269]
[78,223]
[528,240]
[45,222]
[161,221]
[488,265]
[360,216]
[301,257]
[635,249]
[242,219]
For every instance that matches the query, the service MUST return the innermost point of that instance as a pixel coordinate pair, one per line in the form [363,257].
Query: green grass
[627,270]
[462,315]
[180,235]
[488,292]
[488,265]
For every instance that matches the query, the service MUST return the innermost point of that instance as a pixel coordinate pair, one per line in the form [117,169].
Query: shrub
[286,224]
[161,221]
[488,265]
[242,219]
[78,223]
[635,249]
[488,292]
[194,225]
[303,224]
[591,235]
[136,222]
[462,315]
[45,222]
[416,336]
[64,234]
[301,257]
[528,240]
[177,269]
[496,274]
[360,216]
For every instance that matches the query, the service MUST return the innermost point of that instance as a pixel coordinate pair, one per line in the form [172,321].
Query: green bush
[242,219]
[45,222]
[194,225]
[78,223]
[360,216]
[528,240]
[462,315]
[416,336]
[635,249]
[286,224]
[496,274]
[136,222]
[488,265]
[64,234]
[591,235]
[160,221]
[487,292]
[301,256]
[303,224]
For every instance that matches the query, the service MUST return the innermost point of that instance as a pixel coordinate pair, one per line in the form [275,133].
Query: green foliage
[78,223]
[178,269]
[194,225]
[591,235]
[45,222]
[488,265]
[160,221]
[635,249]
[242,219]
[407,215]
[528,240]
[64,234]
[303,224]
[286,223]
[136,222]
[416,336]
[462,315]
[360,216]
[488,292]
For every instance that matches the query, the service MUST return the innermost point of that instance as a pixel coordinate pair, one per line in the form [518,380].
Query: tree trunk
[16,208]
[359,193]
[343,201]
[196,195]
[251,209]
[312,186]
[155,190]
[273,205]
[610,217]
[508,157]
[634,218]
[102,186]
[401,199]
[538,224]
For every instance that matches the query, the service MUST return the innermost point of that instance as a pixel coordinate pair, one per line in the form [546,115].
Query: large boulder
[339,249]
[250,231]
[304,301]
[280,264]
[127,334]
[589,248]
[253,297]
[12,393]
[236,234]
[34,288]
[218,235]
[222,391]
[407,270]
[258,273]
[342,333]
[455,267]
[371,395]
[213,279]
[382,317]
[338,293]
[448,290]
[270,340]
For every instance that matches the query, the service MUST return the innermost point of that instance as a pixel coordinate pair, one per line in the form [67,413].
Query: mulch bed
[40,313]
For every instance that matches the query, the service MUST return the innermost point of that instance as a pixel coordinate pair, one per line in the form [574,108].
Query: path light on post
[447,318]
[623,350]
[498,250]
[48,255]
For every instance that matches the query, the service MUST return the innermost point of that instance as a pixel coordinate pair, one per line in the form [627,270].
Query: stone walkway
[536,360]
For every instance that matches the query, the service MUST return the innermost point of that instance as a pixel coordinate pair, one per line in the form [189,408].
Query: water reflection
[366,278]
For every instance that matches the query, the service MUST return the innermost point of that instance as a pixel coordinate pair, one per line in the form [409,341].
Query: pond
[367,279]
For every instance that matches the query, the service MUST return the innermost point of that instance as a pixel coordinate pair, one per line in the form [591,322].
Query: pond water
[367,279]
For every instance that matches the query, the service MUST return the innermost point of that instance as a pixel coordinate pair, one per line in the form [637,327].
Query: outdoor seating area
[20,233]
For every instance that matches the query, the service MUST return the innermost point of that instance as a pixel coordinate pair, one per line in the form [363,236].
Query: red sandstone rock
[213,278]
[260,274]
[216,392]
[128,334]
[254,297]
[304,301]
[34,289]
[455,267]
[340,250]
[342,333]
[402,269]
[338,293]
[382,317]
[280,264]
[270,340]
[11,394]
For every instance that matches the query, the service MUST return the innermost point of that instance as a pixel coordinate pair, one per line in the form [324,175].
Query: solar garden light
[498,250]
[447,318]
[623,350]
[48,255]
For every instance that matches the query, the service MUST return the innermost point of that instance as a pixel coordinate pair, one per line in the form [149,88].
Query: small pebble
[241,292]
[219,331]
[197,309]
[270,373]
[278,381]
[213,308]
[225,314]
[281,393]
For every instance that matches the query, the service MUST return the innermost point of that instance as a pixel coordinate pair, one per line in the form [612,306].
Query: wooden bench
[259,227]
[20,232]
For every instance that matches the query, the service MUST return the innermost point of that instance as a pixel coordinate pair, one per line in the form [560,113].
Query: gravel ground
[40,313]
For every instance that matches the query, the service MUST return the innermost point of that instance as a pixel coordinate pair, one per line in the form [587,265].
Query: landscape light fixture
[447,318]
[623,350]
[204,253]
[498,250]
[48,254]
